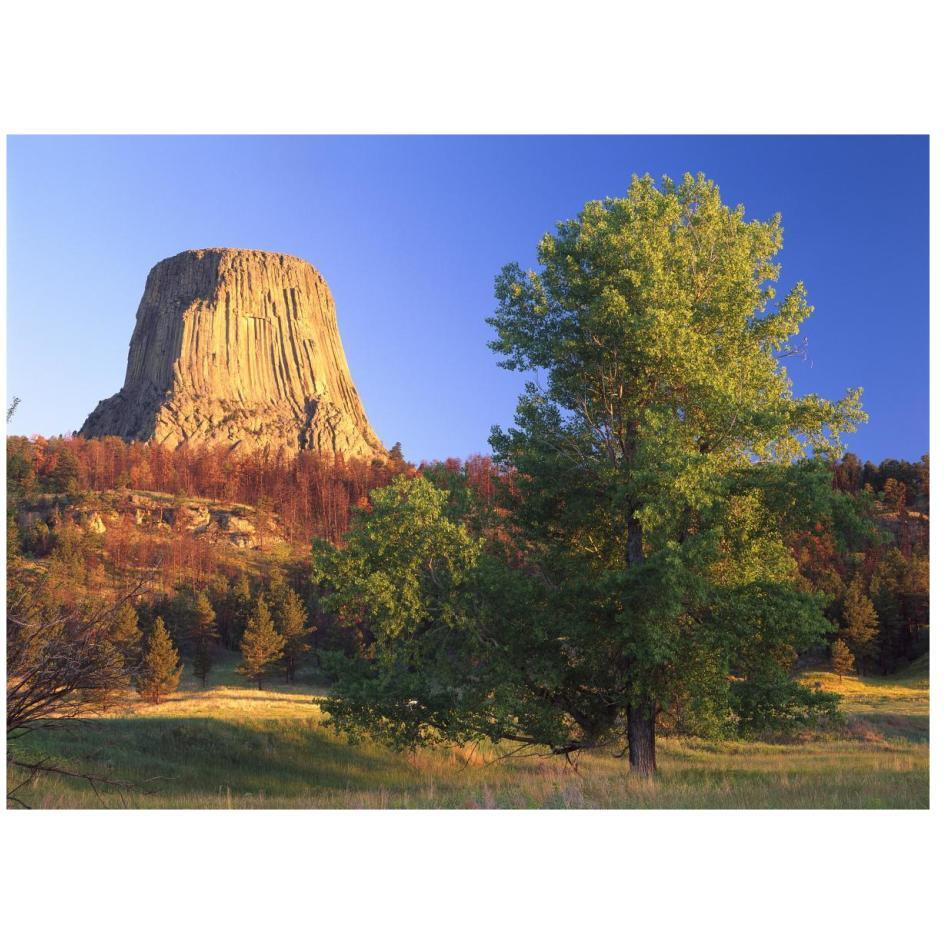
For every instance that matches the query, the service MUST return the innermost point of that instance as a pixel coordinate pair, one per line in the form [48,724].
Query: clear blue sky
[410,233]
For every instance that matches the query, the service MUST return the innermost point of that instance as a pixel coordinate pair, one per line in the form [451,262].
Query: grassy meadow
[232,746]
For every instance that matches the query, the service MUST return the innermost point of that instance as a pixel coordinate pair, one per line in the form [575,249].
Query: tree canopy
[658,463]
[659,460]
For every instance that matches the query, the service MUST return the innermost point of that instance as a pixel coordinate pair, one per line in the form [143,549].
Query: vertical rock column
[237,347]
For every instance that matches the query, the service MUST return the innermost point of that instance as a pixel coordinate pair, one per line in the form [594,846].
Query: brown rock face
[241,348]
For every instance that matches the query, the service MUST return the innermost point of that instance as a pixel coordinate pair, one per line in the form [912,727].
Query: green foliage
[63,474]
[160,673]
[21,474]
[39,540]
[859,623]
[662,305]
[235,612]
[401,583]
[291,619]
[179,612]
[128,638]
[899,591]
[772,703]
[841,659]
[656,473]
[203,636]
[399,560]
[261,644]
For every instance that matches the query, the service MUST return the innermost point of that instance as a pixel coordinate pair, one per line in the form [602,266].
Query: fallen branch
[93,780]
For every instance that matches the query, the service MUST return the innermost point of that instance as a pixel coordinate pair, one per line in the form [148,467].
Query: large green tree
[658,462]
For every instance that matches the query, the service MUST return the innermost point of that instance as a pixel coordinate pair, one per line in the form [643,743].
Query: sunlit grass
[232,746]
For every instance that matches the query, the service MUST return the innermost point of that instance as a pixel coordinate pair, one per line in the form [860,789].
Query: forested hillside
[121,542]
[109,518]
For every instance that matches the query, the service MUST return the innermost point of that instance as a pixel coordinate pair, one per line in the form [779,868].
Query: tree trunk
[641,734]
[641,718]
[633,551]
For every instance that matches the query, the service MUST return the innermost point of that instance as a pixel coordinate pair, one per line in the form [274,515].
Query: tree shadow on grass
[892,725]
[180,756]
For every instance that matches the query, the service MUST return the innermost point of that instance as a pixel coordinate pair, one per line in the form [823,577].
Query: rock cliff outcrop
[227,523]
[241,348]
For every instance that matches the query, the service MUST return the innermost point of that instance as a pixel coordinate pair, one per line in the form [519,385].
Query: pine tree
[895,495]
[261,645]
[290,616]
[238,610]
[203,636]
[885,593]
[160,674]
[276,592]
[860,622]
[127,637]
[843,661]
[395,458]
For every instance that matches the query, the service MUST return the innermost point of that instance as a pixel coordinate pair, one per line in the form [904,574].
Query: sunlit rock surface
[241,348]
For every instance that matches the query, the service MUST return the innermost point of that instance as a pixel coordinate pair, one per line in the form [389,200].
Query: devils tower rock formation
[241,348]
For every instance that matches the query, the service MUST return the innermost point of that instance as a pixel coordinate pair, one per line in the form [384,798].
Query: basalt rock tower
[240,348]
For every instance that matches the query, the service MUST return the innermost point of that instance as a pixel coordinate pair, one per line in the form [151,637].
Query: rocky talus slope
[240,348]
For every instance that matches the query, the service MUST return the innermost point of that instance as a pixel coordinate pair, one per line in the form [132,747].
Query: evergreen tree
[160,674]
[180,614]
[291,617]
[843,662]
[238,611]
[885,591]
[395,459]
[261,644]
[895,495]
[924,483]
[63,476]
[860,622]
[276,591]
[127,637]
[203,635]
[849,473]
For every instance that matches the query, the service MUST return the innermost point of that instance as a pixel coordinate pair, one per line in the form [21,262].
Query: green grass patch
[232,746]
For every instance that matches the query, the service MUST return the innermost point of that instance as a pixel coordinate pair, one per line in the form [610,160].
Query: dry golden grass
[232,746]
